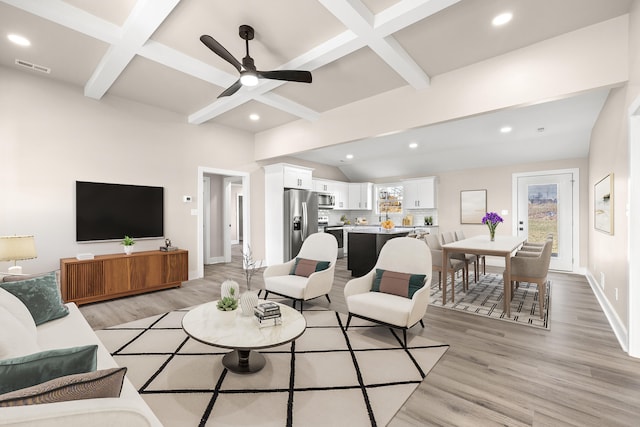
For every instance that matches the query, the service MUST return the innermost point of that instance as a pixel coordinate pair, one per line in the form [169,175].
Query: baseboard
[215,260]
[618,327]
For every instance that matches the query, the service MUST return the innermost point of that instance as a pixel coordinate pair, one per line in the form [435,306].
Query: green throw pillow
[41,295]
[90,385]
[401,284]
[306,267]
[36,368]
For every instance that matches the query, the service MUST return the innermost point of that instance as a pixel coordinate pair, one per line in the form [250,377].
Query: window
[388,198]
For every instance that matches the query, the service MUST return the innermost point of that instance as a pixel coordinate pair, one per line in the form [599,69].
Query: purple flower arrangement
[492,220]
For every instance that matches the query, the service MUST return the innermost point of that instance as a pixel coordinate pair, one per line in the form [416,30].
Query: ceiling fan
[248,74]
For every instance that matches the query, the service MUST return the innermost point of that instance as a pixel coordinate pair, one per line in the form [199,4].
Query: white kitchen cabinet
[297,177]
[419,193]
[341,192]
[360,196]
[322,186]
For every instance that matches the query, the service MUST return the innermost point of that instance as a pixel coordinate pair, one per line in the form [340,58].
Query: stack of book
[267,314]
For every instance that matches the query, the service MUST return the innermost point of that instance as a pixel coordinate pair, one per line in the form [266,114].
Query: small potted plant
[228,303]
[128,243]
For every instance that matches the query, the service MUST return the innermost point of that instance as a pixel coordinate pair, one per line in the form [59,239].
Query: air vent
[34,67]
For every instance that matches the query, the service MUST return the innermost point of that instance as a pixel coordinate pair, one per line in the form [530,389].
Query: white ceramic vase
[248,301]
[128,250]
[225,289]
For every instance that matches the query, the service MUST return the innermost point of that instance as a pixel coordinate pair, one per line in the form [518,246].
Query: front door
[545,204]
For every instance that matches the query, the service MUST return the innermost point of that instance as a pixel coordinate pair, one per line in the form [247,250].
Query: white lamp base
[16,269]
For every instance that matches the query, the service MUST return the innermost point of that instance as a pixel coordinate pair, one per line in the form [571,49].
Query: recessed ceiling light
[254,117]
[506,129]
[413,145]
[502,19]
[19,40]
[349,156]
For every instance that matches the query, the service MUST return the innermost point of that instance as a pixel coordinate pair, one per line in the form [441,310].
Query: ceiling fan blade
[288,75]
[219,50]
[231,89]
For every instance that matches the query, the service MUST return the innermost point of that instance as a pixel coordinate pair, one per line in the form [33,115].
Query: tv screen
[111,211]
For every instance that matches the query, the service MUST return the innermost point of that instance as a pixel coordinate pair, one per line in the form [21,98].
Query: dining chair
[396,291]
[449,237]
[455,265]
[480,258]
[532,269]
[309,275]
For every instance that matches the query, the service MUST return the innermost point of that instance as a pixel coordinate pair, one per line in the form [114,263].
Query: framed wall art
[473,206]
[603,204]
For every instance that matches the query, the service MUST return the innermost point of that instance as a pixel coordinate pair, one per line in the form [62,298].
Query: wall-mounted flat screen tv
[111,211]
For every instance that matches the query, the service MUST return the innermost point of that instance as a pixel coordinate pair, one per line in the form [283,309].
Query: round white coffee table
[230,329]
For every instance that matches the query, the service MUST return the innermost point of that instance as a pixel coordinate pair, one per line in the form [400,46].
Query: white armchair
[402,255]
[279,280]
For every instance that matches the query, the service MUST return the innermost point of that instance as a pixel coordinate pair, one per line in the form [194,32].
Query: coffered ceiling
[149,50]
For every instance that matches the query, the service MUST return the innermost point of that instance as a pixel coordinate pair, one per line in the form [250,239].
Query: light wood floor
[494,373]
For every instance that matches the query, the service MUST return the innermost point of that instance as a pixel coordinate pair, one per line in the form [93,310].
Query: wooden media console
[112,276]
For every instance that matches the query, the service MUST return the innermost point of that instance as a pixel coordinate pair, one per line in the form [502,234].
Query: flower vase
[248,301]
[492,235]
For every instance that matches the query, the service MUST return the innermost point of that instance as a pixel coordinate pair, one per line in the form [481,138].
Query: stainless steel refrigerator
[300,219]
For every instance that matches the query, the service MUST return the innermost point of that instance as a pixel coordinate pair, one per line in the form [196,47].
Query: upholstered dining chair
[396,291]
[535,246]
[454,266]
[309,275]
[449,237]
[533,269]
[481,258]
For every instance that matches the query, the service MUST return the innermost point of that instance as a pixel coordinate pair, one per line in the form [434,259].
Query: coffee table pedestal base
[244,361]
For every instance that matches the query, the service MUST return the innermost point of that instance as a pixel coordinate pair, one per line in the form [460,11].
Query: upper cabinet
[360,196]
[322,186]
[419,193]
[297,177]
[341,192]
[339,189]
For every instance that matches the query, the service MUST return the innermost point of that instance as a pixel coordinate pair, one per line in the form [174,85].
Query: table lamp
[14,248]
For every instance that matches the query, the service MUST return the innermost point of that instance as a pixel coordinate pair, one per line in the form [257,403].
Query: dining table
[502,246]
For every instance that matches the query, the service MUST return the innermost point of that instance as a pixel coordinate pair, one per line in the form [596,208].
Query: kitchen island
[364,245]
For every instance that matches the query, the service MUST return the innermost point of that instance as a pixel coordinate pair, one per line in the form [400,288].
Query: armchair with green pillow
[54,371]
[396,291]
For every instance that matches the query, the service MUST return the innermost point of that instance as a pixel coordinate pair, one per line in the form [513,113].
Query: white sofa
[127,410]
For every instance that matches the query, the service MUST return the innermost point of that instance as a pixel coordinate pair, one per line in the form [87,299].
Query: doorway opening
[219,223]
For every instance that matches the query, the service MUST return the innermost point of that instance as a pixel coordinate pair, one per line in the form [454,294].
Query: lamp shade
[13,248]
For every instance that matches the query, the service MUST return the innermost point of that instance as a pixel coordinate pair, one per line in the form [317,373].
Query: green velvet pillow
[306,267]
[36,368]
[401,284]
[41,295]
[90,385]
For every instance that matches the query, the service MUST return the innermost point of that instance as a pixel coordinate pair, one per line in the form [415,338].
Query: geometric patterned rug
[485,298]
[328,376]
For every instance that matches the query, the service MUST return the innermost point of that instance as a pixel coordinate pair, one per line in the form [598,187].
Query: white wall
[51,136]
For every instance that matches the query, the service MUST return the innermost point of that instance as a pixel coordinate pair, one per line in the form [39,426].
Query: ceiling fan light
[248,78]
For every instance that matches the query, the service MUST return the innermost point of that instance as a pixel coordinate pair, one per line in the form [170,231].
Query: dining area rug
[486,297]
[328,376]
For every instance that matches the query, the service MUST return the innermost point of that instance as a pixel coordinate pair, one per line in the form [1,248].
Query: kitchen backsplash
[374,219]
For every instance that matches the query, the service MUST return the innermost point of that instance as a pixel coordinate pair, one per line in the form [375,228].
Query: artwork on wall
[473,206]
[603,204]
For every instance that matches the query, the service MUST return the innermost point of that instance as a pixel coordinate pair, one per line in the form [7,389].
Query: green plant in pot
[228,303]
[128,243]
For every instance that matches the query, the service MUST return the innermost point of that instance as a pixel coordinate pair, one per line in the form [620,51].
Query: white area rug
[360,377]
[485,298]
